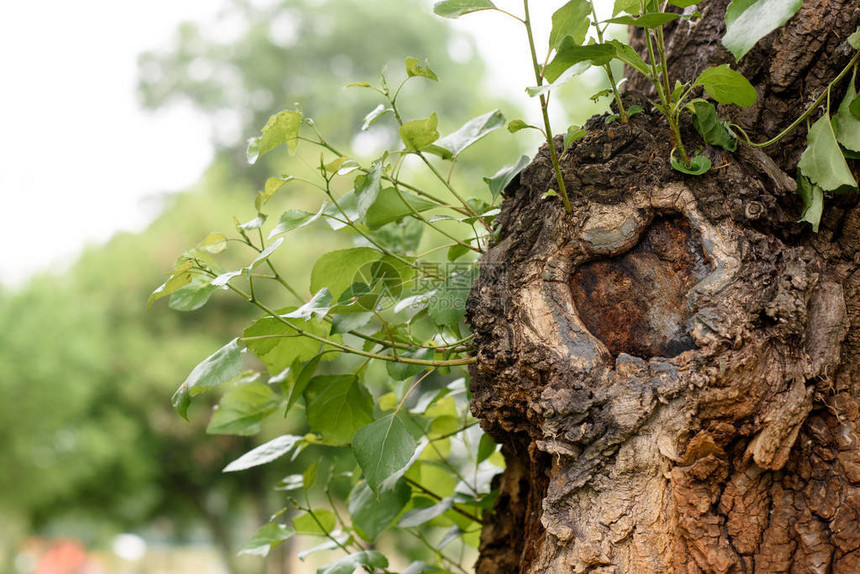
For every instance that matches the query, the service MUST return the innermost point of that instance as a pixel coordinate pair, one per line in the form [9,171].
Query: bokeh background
[122,136]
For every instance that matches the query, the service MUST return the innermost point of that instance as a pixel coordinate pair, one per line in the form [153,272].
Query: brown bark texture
[674,368]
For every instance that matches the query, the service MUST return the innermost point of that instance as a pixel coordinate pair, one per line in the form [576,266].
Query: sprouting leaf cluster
[577,42]
[371,365]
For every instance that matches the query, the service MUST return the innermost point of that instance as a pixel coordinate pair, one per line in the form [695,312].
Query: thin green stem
[417,534]
[809,111]
[279,278]
[506,13]
[417,190]
[456,432]
[432,494]
[436,173]
[322,528]
[412,388]
[450,187]
[664,64]
[665,97]
[351,224]
[544,106]
[608,69]
[420,216]
[344,348]
[338,517]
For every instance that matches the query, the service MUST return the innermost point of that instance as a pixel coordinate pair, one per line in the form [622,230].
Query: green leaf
[282,128]
[854,107]
[505,176]
[424,514]
[336,269]
[342,166]
[457,251]
[367,186]
[748,21]
[381,449]
[192,296]
[224,278]
[337,406]
[448,305]
[242,410]
[631,7]
[273,185]
[179,278]
[343,323]
[374,115]
[266,538]
[698,165]
[319,524]
[317,307]
[471,132]
[516,125]
[486,447]
[309,476]
[372,514]
[727,86]
[457,8]
[854,39]
[822,161]
[650,20]
[566,76]
[418,134]
[294,219]
[454,533]
[570,21]
[813,201]
[846,125]
[302,381]
[678,90]
[684,3]
[368,559]
[414,68]
[223,365]
[280,345]
[574,133]
[266,253]
[390,206]
[402,371]
[265,453]
[602,93]
[570,53]
[711,128]
[628,55]
[214,243]
[251,225]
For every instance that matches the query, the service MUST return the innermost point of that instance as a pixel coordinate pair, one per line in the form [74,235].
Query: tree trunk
[674,368]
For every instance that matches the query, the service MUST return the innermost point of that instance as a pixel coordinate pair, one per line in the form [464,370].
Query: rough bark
[674,368]
[789,68]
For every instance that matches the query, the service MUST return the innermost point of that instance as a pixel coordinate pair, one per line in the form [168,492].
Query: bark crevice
[637,459]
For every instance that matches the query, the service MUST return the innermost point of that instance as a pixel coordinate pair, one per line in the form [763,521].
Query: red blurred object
[64,557]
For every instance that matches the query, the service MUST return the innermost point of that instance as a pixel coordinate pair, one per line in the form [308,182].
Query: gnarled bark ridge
[673,369]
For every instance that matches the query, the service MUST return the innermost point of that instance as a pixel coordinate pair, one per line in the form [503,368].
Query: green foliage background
[90,443]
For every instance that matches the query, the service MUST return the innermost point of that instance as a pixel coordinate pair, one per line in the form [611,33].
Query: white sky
[78,156]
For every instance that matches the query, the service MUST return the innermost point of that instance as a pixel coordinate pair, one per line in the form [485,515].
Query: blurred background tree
[90,444]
